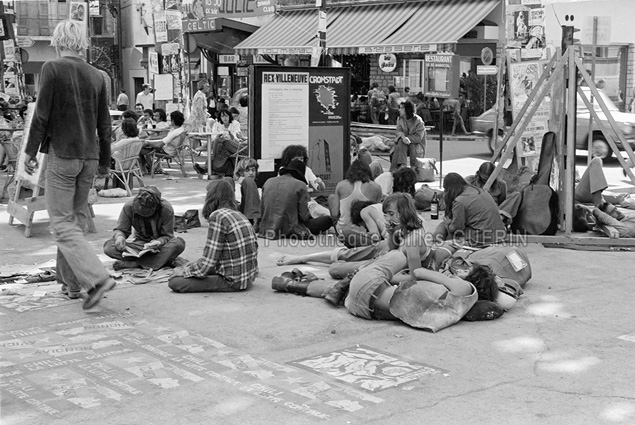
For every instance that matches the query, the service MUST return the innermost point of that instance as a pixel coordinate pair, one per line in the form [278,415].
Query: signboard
[77,11]
[24,42]
[486,70]
[160,27]
[413,48]
[307,106]
[387,62]
[227,58]
[200,15]
[487,56]
[153,62]
[603,30]
[441,75]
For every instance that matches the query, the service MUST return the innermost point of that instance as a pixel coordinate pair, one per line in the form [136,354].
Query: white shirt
[145,99]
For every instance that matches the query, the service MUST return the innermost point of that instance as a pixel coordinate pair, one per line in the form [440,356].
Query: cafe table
[209,138]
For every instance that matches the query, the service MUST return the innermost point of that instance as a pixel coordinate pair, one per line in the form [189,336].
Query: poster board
[523,76]
[36,179]
[163,86]
[302,106]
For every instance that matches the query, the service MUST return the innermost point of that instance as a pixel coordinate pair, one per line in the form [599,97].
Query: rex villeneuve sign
[200,15]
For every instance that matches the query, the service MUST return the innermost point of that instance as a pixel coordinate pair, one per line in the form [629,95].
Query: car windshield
[609,103]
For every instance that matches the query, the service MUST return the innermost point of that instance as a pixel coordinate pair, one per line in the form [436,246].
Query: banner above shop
[200,15]
[412,48]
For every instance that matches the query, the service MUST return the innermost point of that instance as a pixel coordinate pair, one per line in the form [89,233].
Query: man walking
[72,104]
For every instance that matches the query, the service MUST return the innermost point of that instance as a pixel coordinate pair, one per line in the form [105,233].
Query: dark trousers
[319,225]
[168,252]
[211,283]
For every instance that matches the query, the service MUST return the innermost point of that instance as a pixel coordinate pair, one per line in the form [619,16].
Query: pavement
[562,355]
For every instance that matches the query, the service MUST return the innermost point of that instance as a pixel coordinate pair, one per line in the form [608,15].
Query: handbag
[188,220]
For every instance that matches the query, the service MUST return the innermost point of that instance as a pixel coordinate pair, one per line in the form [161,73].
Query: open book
[136,253]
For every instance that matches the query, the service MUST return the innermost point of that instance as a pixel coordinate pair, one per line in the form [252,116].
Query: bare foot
[286,260]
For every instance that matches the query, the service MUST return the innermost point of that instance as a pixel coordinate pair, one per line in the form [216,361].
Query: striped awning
[383,28]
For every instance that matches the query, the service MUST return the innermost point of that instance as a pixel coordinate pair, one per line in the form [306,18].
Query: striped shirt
[231,250]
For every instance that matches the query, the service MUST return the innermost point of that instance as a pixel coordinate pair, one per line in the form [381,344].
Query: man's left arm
[166,229]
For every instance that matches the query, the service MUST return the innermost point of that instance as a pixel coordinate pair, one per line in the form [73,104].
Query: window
[413,75]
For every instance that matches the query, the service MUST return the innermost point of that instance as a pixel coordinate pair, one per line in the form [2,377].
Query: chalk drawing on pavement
[367,368]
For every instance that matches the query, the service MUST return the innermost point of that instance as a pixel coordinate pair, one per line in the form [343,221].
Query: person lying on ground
[152,219]
[230,257]
[380,290]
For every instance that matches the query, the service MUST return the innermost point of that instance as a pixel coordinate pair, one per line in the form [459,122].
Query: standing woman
[471,216]
[411,133]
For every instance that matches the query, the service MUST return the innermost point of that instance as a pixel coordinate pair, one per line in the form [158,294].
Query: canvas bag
[507,262]
[423,198]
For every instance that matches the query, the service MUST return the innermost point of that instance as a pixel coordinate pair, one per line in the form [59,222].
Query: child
[247,193]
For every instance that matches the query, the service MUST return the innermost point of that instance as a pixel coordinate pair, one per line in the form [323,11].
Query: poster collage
[527,56]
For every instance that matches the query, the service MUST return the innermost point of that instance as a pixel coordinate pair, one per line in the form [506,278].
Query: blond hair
[70,35]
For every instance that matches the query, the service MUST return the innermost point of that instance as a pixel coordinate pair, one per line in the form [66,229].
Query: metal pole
[88,30]
[590,130]
[484,93]
[441,144]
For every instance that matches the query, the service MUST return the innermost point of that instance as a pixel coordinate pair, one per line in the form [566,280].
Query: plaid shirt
[231,250]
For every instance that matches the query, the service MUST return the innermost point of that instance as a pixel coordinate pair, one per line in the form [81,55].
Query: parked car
[484,124]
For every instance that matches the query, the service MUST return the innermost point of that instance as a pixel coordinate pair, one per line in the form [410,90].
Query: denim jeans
[66,191]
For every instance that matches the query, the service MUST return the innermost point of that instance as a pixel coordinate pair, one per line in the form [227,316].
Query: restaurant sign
[200,15]
[412,48]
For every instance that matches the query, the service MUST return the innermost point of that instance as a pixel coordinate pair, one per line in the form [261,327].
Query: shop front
[362,37]
[218,59]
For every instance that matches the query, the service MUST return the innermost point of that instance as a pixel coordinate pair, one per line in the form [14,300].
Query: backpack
[507,262]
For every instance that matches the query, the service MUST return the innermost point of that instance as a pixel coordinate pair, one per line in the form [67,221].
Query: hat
[147,200]
[296,168]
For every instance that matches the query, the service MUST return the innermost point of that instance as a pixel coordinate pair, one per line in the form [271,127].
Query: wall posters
[525,28]
[522,80]
[307,106]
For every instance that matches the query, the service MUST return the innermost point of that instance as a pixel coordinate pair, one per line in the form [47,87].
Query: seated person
[314,183]
[226,142]
[371,216]
[230,256]
[236,118]
[498,189]
[146,121]
[357,186]
[166,145]
[247,194]
[117,131]
[471,216]
[284,209]
[131,133]
[152,219]
[160,119]
[410,137]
